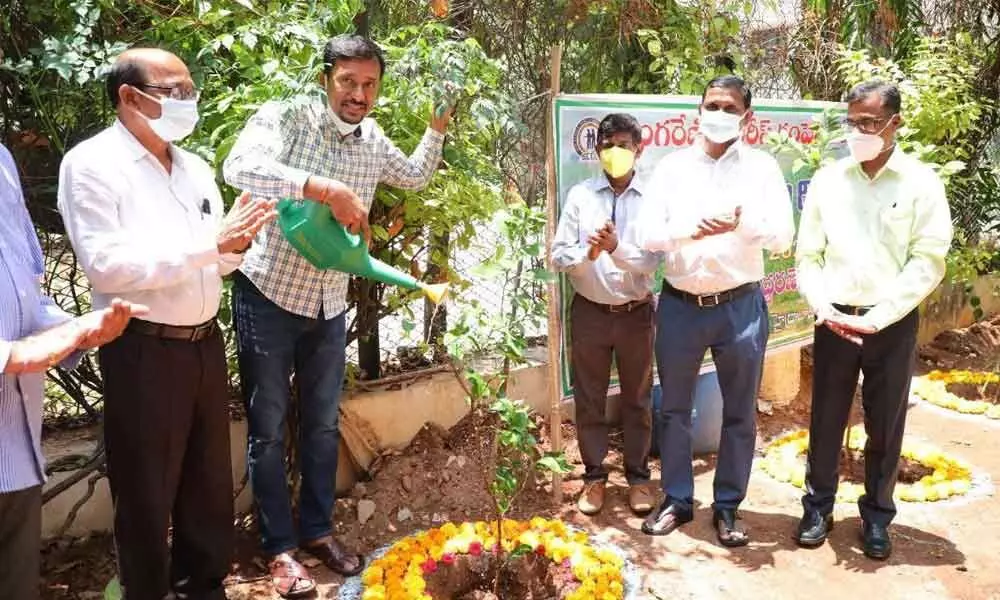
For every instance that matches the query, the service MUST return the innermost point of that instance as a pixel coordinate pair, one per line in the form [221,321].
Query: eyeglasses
[866,124]
[175,92]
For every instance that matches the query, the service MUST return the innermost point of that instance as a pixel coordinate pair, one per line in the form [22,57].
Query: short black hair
[351,47]
[730,82]
[125,71]
[888,92]
[619,123]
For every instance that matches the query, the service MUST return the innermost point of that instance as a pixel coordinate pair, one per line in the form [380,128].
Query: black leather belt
[852,310]
[710,300]
[194,333]
[617,308]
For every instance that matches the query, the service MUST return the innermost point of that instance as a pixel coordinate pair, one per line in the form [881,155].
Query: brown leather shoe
[335,557]
[641,498]
[591,501]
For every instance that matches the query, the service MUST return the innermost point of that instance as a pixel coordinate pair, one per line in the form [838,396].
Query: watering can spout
[311,229]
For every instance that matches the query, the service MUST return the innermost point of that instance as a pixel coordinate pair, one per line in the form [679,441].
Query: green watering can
[311,229]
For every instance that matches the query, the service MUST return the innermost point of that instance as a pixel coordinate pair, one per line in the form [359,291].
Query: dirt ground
[942,550]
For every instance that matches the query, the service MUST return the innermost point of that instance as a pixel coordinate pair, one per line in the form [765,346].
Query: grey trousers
[20,543]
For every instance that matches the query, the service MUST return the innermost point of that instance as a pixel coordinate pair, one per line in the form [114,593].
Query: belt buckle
[200,332]
[703,304]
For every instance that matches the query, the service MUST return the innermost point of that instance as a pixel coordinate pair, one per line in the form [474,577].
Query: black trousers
[166,429]
[20,543]
[887,359]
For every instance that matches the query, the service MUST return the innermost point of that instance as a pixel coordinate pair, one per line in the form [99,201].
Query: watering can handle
[289,205]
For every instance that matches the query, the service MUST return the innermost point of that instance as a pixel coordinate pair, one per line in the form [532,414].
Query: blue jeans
[271,342]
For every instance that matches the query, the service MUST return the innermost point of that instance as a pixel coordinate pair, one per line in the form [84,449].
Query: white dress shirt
[688,186]
[878,242]
[143,234]
[616,278]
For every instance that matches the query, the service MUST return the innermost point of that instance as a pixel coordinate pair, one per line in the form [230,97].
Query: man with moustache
[289,315]
[146,221]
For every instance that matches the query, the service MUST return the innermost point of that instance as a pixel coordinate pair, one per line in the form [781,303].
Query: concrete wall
[389,417]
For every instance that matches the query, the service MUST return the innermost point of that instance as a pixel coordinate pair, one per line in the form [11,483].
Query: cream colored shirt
[688,186]
[143,234]
[877,242]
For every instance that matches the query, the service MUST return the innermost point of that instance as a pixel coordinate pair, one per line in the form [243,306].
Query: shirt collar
[136,151]
[133,148]
[897,163]
[601,183]
[735,150]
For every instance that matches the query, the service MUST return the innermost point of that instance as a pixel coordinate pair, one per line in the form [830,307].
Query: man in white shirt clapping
[146,221]
[873,237]
[714,208]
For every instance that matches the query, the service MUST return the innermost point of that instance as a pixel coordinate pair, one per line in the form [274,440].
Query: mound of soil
[976,348]
[530,577]
[852,468]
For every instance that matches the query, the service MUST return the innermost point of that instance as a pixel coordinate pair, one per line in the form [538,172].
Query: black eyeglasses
[866,124]
[175,92]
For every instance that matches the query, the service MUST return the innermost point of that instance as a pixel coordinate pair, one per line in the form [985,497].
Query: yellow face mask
[617,162]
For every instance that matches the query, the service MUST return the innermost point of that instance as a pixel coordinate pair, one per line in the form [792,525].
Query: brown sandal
[334,556]
[289,578]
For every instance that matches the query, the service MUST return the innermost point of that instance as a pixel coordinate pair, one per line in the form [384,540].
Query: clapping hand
[242,222]
[102,326]
[719,225]
[44,350]
[605,238]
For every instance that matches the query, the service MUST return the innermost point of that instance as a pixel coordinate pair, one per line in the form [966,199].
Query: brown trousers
[597,336]
[20,543]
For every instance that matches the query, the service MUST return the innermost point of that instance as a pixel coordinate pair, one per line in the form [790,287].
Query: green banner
[670,123]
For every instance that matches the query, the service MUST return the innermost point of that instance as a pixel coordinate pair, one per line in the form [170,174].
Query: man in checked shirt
[290,315]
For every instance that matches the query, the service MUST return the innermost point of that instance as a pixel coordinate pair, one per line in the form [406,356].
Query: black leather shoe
[728,528]
[666,518]
[813,529]
[875,541]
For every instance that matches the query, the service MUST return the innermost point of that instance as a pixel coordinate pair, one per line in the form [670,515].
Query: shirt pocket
[896,226]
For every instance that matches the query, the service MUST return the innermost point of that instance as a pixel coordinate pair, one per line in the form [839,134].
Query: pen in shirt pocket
[206,207]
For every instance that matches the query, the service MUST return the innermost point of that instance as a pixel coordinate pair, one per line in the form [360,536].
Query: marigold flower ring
[933,389]
[398,572]
[950,477]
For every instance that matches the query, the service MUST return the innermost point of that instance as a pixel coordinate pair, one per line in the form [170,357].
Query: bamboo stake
[555,326]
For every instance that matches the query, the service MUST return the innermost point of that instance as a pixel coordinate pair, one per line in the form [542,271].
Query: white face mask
[177,118]
[864,146]
[867,146]
[343,127]
[719,126]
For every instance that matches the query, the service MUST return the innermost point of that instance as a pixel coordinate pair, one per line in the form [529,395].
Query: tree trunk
[436,316]
[369,351]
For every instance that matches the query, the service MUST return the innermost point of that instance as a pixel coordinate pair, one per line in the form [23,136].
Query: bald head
[148,69]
